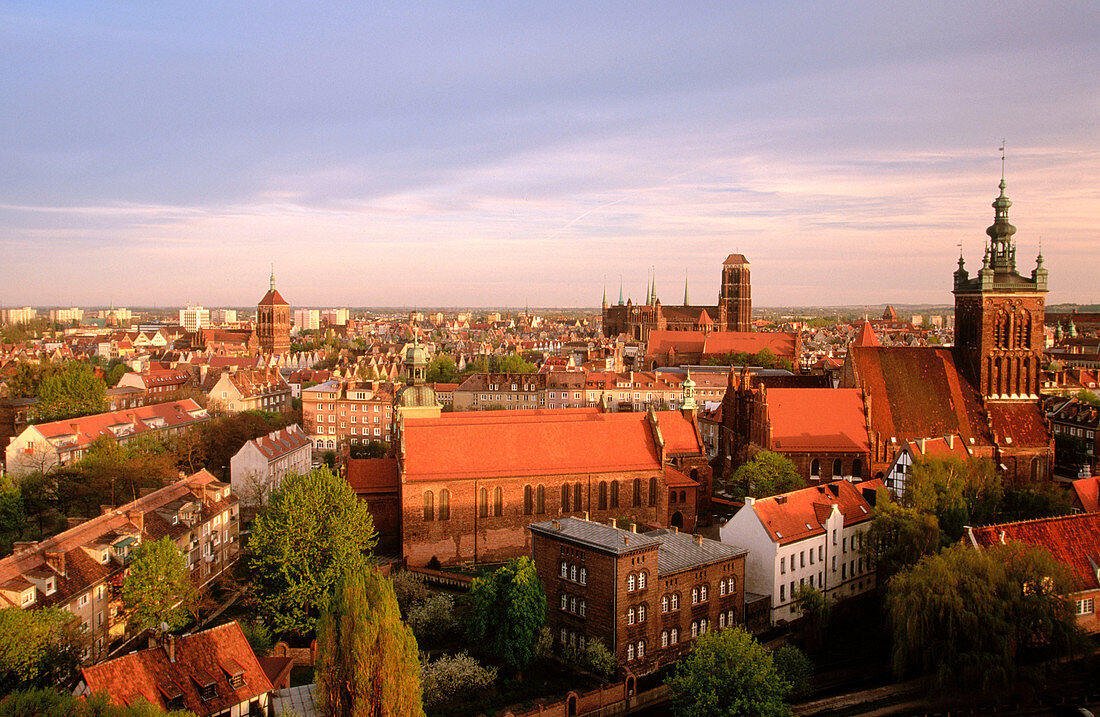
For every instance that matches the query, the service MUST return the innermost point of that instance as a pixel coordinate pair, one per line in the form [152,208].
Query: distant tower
[735,296]
[273,322]
[999,316]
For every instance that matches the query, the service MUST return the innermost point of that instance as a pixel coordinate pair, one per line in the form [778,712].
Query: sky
[497,154]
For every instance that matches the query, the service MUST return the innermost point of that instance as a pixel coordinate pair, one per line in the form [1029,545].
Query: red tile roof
[867,336]
[273,298]
[939,448]
[279,443]
[798,515]
[527,443]
[373,475]
[213,655]
[1073,540]
[676,479]
[679,433]
[140,419]
[1087,491]
[817,419]
[1019,424]
[720,343]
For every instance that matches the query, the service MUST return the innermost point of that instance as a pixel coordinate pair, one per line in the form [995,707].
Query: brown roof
[373,475]
[88,428]
[1073,540]
[1018,424]
[212,656]
[273,298]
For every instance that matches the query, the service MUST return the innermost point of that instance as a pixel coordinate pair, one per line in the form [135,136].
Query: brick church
[273,322]
[733,312]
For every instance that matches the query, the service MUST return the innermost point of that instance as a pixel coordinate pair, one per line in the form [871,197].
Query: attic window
[778,534]
[863,508]
[808,527]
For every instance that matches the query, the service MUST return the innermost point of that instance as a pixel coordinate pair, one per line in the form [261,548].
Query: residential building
[82,569]
[66,316]
[341,413]
[157,384]
[1081,420]
[221,317]
[1073,540]
[42,446]
[212,673]
[335,317]
[14,317]
[680,348]
[273,322]
[193,318]
[250,390]
[513,391]
[259,467]
[646,596]
[810,536]
[471,482]
[1086,495]
[307,319]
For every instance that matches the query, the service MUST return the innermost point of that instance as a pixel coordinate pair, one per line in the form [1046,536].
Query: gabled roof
[281,442]
[1087,491]
[373,475]
[940,447]
[817,419]
[867,336]
[81,432]
[1018,424]
[1073,540]
[529,443]
[215,655]
[734,259]
[800,514]
[273,298]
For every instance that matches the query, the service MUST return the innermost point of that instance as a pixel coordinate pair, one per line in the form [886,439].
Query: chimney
[555,524]
[626,540]
[170,647]
[56,560]
[951,441]
[137,518]
[586,515]
[920,442]
[698,539]
[105,509]
[749,500]
[612,523]
[633,527]
[23,546]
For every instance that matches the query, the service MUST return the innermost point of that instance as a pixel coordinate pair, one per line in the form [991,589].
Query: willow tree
[367,658]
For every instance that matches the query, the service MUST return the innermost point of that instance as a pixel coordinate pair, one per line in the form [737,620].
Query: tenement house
[646,596]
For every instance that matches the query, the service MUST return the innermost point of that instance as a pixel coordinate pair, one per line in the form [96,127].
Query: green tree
[509,611]
[442,369]
[13,516]
[158,587]
[963,616]
[259,637]
[367,659]
[814,607]
[958,493]
[766,474]
[899,536]
[74,391]
[28,377]
[37,647]
[313,531]
[512,363]
[765,358]
[796,668]
[728,674]
[1044,500]
[53,702]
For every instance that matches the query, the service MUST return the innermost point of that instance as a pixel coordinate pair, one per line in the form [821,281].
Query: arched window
[721,620]
[694,596]
[578,504]
[838,468]
[573,572]
[641,649]
[614,494]
[641,580]
[636,499]
[429,505]
[652,492]
[703,626]
[631,582]
[664,638]
[672,497]
[564,601]
[732,586]
[731,617]
[602,490]
[540,499]
[722,588]
[444,504]
[584,576]
[702,593]
[630,651]
[528,502]
[564,569]
[565,498]
[1036,469]
[664,603]
[498,502]
[857,468]
[630,616]
[683,496]
[641,613]
[815,468]
[675,601]
[674,635]
[694,628]
[483,503]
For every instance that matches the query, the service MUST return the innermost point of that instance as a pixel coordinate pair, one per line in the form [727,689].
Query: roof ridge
[1048,519]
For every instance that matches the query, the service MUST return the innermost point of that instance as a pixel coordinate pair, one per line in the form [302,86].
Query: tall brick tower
[999,316]
[273,322]
[735,296]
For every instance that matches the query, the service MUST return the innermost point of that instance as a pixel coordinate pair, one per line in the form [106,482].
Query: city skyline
[499,155]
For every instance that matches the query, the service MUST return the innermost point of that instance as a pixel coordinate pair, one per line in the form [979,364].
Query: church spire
[273,277]
[1002,250]
[686,301]
[620,289]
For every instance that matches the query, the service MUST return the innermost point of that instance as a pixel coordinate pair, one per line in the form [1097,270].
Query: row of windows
[575,605]
[636,614]
[572,639]
[444,505]
[636,581]
[838,468]
[483,502]
[570,572]
[635,650]
[699,594]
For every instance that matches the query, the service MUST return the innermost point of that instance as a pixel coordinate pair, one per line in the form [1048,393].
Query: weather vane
[1002,159]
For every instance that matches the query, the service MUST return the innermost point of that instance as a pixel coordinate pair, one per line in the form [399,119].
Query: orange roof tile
[817,419]
[1087,491]
[798,515]
[1073,540]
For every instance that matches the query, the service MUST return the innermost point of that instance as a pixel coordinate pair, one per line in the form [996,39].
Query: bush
[409,590]
[599,660]
[259,637]
[454,676]
[797,669]
[432,619]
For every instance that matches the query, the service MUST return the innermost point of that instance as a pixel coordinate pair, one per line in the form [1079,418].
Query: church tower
[273,322]
[735,296]
[999,316]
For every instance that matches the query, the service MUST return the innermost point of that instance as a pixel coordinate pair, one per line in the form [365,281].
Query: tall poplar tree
[367,658]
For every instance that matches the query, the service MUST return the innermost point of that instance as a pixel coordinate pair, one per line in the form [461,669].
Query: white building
[307,319]
[67,316]
[813,535]
[261,464]
[221,317]
[336,317]
[194,318]
[14,317]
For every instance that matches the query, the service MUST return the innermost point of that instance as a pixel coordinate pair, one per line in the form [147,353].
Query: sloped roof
[527,443]
[798,515]
[1073,540]
[817,419]
[1020,422]
[373,475]
[735,259]
[1088,493]
[213,654]
[679,433]
[281,442]
[917,392]
[273,298]
[88,428]
[939,447]
[676,479]
[679,551]
[596,535]
[867,336]
[719,343]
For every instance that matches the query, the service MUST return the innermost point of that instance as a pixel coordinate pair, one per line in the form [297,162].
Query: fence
[604,701]
[438,577]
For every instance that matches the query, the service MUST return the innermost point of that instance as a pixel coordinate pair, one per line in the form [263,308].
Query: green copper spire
[620,290]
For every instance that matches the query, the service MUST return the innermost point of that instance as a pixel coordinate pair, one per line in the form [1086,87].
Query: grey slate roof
[678,551]
[596,535]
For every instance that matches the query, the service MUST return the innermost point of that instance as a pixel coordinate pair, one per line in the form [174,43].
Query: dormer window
[51,586]
[28,597]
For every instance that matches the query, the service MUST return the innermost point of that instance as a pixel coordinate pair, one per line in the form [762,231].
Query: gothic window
[528,502]
[683,496]
[652,492]
[664,603]
[444,504]
[637,497]
[603,495]
[483,503]
[615,494]
[815,468]
[565,498]
[838,469]
[641,580]
[429,505]
[857,468]
[498,502]
[675,601]
[631,581]
[672,497]
[577,495]
[540,499]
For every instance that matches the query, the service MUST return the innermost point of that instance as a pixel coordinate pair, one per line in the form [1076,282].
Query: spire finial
[273,276]
[1002,167]
[620,289]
